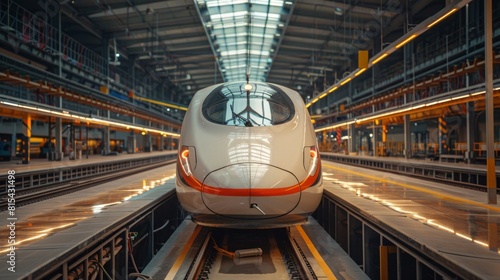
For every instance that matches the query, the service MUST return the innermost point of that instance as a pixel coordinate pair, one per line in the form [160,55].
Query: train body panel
[248,167]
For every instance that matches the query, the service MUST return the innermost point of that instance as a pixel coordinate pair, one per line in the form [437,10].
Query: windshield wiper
[246,122]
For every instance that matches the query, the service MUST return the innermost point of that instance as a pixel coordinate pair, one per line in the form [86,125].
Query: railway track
[36,194]
[251,254]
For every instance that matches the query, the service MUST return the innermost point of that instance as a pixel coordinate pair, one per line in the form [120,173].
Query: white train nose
[246,189]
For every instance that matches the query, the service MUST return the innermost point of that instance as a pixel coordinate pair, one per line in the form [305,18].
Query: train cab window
[263,105]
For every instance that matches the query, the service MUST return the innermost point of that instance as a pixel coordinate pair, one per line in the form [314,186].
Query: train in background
[248,157]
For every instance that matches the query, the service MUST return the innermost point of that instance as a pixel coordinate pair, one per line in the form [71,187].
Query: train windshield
[262,105]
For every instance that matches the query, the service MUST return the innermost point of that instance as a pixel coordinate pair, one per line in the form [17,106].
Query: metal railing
[40,178]
[35,30]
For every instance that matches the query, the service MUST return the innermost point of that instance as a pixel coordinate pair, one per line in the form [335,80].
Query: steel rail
[294,260]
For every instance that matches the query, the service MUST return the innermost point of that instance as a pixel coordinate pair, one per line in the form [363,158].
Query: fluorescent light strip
[379,58]
[443,100]
[400,110]
[345,82]
[459,97]
[406,41]
[9,103]
[334,126]
[413,36]
[442,17]
[481,243]
[332,89]
[77,117]
[359,72]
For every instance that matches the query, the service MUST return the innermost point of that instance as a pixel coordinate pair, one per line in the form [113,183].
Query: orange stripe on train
[196,184]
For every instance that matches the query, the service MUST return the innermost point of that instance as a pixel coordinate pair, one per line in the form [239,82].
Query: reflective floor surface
[458,211]
[37,221]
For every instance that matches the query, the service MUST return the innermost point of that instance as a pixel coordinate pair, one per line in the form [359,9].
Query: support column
[105,140]
[469,154]
[160,143]
[59,45]
[490,121]
[58,134]
[384,139]
[131,142]
[442,130]
[384,252]
[374,139]
[87,147]
[407,135]
[493,230]
[350,141]
[323,141]
[25,140]
[148,145]
[72,140]
[50,148]
[58,137]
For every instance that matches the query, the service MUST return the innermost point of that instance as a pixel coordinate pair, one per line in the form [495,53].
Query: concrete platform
[454,224]
[54,228]
[45,164]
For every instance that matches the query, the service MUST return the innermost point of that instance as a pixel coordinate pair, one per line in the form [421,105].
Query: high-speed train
[248,157]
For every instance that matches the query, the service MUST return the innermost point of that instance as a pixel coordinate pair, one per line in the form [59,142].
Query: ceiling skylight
[243,34]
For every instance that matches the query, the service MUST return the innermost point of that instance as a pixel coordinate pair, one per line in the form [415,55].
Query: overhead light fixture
[442,17]
[359,72]
[338,11]
[345,82]
[379,58]
[149,11]
[68,115]
[406,41]
[459,97]
[248,87]
[166,68]
[477,93]
[390,48]
[332,89]
[418,106]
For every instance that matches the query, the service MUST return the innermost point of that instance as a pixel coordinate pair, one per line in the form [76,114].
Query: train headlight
[311,159]
[186,154]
